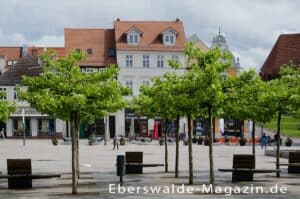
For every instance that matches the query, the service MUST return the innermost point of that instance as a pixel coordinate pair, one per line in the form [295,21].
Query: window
[78,50]
[2,93]
[175,58]
[111,52]
[15,94]
[133,37]
[128,60]
[100,70]
[169,38]
[89,70]
[14,62]
[146,61]
[89,51]
[83,70]
[129,84]
[146,83]
[10,63]
[160,61]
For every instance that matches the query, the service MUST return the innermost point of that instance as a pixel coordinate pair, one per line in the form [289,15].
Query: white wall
[137,73]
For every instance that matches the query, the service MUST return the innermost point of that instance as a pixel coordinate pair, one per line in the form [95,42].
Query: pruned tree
[63,91]
[283,97]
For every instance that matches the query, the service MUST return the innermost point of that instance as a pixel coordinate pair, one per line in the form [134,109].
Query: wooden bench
[19,174]
[244,168]
[134,163]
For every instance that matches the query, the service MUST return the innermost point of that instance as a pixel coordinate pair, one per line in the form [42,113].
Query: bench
[294,162]
[244,168]
[19,174]
[134,163]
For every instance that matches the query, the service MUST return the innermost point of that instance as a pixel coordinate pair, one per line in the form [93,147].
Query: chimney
[118,19]
[177,19]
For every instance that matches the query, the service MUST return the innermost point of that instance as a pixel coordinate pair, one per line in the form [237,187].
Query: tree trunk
[74,134]
[105,131]
[190,126]
[213,128]
[211,159]
[253,138]
[278,144]
[166,146]
[177,146]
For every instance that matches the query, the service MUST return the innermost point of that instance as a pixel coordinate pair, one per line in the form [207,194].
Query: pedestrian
[263,141]
[2,133]
[276,140]
[116,143]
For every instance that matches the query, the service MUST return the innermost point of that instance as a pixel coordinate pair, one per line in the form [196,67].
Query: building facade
[36,124]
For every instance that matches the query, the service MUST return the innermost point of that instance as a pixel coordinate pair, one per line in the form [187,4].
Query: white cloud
[49,41]
[251,27]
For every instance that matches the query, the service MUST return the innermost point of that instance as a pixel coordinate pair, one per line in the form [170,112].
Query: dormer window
[133,36]
[169,37]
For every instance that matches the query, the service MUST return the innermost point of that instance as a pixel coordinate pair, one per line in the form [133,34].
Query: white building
[143,50]
[36,124]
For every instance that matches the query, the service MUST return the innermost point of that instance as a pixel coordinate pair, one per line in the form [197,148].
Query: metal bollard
[120,167]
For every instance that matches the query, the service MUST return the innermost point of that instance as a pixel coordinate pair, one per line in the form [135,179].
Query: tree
[245,100]
[283,97]
[201,91]
[63,91]
[159,100]
[5,107]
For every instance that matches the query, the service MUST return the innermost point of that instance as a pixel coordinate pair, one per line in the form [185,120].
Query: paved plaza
[97,164]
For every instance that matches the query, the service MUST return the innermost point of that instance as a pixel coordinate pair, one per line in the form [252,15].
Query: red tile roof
[39,50]
[11,53]
[28,65]
[151,38]
[285,50]
[100,40]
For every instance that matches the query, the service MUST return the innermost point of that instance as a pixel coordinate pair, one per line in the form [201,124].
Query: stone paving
[97,164]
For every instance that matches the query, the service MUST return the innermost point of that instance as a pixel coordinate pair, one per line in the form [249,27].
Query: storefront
[233,127]
[140,123]
[46,127]
[18,127]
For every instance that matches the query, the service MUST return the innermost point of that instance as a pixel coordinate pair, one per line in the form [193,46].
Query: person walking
[2,133]
[116,142]
[263,141]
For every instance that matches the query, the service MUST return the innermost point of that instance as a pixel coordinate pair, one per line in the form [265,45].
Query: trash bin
[120,166]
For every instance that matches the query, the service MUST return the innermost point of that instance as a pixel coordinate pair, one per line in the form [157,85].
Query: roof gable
[27,66]
[151,39]
[285,50]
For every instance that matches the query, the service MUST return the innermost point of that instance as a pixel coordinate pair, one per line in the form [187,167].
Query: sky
[251,27]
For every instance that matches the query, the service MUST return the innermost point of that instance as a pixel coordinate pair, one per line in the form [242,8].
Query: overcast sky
[251,27]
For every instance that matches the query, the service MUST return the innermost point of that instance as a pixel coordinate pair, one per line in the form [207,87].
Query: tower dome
[220,41]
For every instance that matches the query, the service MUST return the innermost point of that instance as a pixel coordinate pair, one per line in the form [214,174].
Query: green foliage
[246,98]
[283,94]
[161,99]
[63,88]
[5,108]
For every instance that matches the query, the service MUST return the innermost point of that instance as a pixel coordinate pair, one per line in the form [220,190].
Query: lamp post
[23,120]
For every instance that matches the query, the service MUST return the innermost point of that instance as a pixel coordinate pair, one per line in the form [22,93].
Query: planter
[54,141]
[161,142]
[185,142]
[200,141]
[288,142]
[243,141]
[194,140]
[206,141]
[122,142]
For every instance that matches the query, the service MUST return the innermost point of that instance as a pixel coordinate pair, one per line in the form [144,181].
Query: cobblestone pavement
[97,164]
